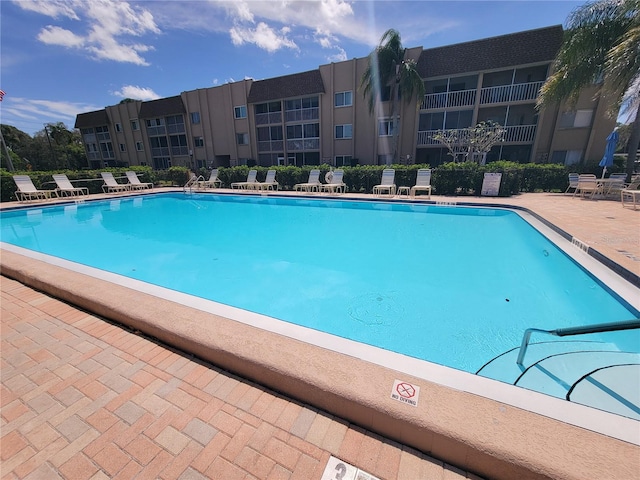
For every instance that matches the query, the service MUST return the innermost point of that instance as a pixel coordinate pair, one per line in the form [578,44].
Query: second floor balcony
[517,92]
[513,134]
[458,98]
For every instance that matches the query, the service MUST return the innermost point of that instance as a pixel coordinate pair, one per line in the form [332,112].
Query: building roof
[296,85]
[92,119]
[162,107]
[531,46]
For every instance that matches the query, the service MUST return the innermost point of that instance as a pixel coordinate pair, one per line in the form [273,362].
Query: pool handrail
[583,329]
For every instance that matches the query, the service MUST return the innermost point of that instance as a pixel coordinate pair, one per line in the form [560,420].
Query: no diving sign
[405,392]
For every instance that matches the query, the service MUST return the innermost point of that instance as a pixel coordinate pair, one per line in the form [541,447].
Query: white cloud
[262,36]
[52,35]
[215,81]
[51,8]
[104,28]
[136,93]
[29,115]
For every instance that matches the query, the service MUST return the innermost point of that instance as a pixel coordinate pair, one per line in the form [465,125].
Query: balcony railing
[301,115]
[303,144]
[520,134]
[513,134]
[271,146]
[449,99]
[267,118]
[510,93]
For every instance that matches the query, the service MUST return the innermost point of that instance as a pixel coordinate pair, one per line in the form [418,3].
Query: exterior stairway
[590,373]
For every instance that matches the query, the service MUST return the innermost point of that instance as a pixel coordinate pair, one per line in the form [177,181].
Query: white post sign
[491,184]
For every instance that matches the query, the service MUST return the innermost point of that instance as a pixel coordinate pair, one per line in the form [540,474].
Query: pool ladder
[191,182]
[563,332]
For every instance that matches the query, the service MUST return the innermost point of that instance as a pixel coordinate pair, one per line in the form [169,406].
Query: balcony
[460,98]
[301,145]
[268,118]
[510,93]
[513,134]
[271,146]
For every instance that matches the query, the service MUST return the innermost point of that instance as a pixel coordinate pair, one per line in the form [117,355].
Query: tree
[600,47]
[388,68]
[471,142]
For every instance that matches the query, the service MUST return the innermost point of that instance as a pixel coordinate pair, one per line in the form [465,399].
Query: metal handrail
[564,332]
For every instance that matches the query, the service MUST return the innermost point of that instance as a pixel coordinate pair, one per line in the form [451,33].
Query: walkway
[82,399]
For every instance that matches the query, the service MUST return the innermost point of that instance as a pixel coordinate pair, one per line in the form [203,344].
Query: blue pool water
[455,286]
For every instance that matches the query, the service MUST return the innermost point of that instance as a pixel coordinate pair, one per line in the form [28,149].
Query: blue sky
[64,57]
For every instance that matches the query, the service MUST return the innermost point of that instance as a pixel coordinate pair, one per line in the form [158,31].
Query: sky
[59,58]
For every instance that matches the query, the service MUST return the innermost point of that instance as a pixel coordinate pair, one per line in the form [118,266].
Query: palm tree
[388,67]
[601,47]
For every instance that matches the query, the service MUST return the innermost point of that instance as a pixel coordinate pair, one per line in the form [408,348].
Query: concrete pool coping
[453,420]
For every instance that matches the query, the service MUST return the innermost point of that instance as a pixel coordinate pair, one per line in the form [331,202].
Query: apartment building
[321,116]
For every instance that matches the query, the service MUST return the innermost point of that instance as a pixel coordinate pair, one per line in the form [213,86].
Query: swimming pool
[450,285]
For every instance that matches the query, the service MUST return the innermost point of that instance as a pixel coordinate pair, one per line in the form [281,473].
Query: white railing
[510,93]
[520,133]
[513,134]
[271,146]
[449,99]
[267,118]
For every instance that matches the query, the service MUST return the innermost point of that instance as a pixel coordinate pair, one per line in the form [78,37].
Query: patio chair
[387,184]
[111,185]
[135,183]
[251,180]
[213,181]
[334,182]
[423,182]
[313,183]
[616,183]
[573,182]
[65,188]
[631,194]
[588,184]
[28,191]
[269,183]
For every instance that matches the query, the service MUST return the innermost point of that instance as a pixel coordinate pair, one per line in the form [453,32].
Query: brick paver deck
[82,398]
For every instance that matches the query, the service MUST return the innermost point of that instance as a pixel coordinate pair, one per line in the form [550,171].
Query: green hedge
[448,179]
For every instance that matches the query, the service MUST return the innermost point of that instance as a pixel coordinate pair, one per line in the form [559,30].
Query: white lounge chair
[423,182]
[615,183]
[313,184]
[587,184]
[269,183]
[387,183]
[111,185]
[573,182]
[631,194]
[135,183]
[251,180]
[334,182]
[213,181]
[66,188]
[28,191]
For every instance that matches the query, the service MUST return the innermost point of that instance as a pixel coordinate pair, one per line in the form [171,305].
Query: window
[576,119]
[343,160]
[342,99]
[134,125]
[385,127]
[123,148]
[198,142]
[566,157]
[118,127]
[139,147]
[344,131]
[307,130]
[195,117]
[155,122]
[240,112]
[242,138]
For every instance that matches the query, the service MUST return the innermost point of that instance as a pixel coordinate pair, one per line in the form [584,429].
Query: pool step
[615,389]
[504,366]
[595,374]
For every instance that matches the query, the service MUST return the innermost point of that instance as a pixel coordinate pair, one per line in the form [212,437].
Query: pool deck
[83,397]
